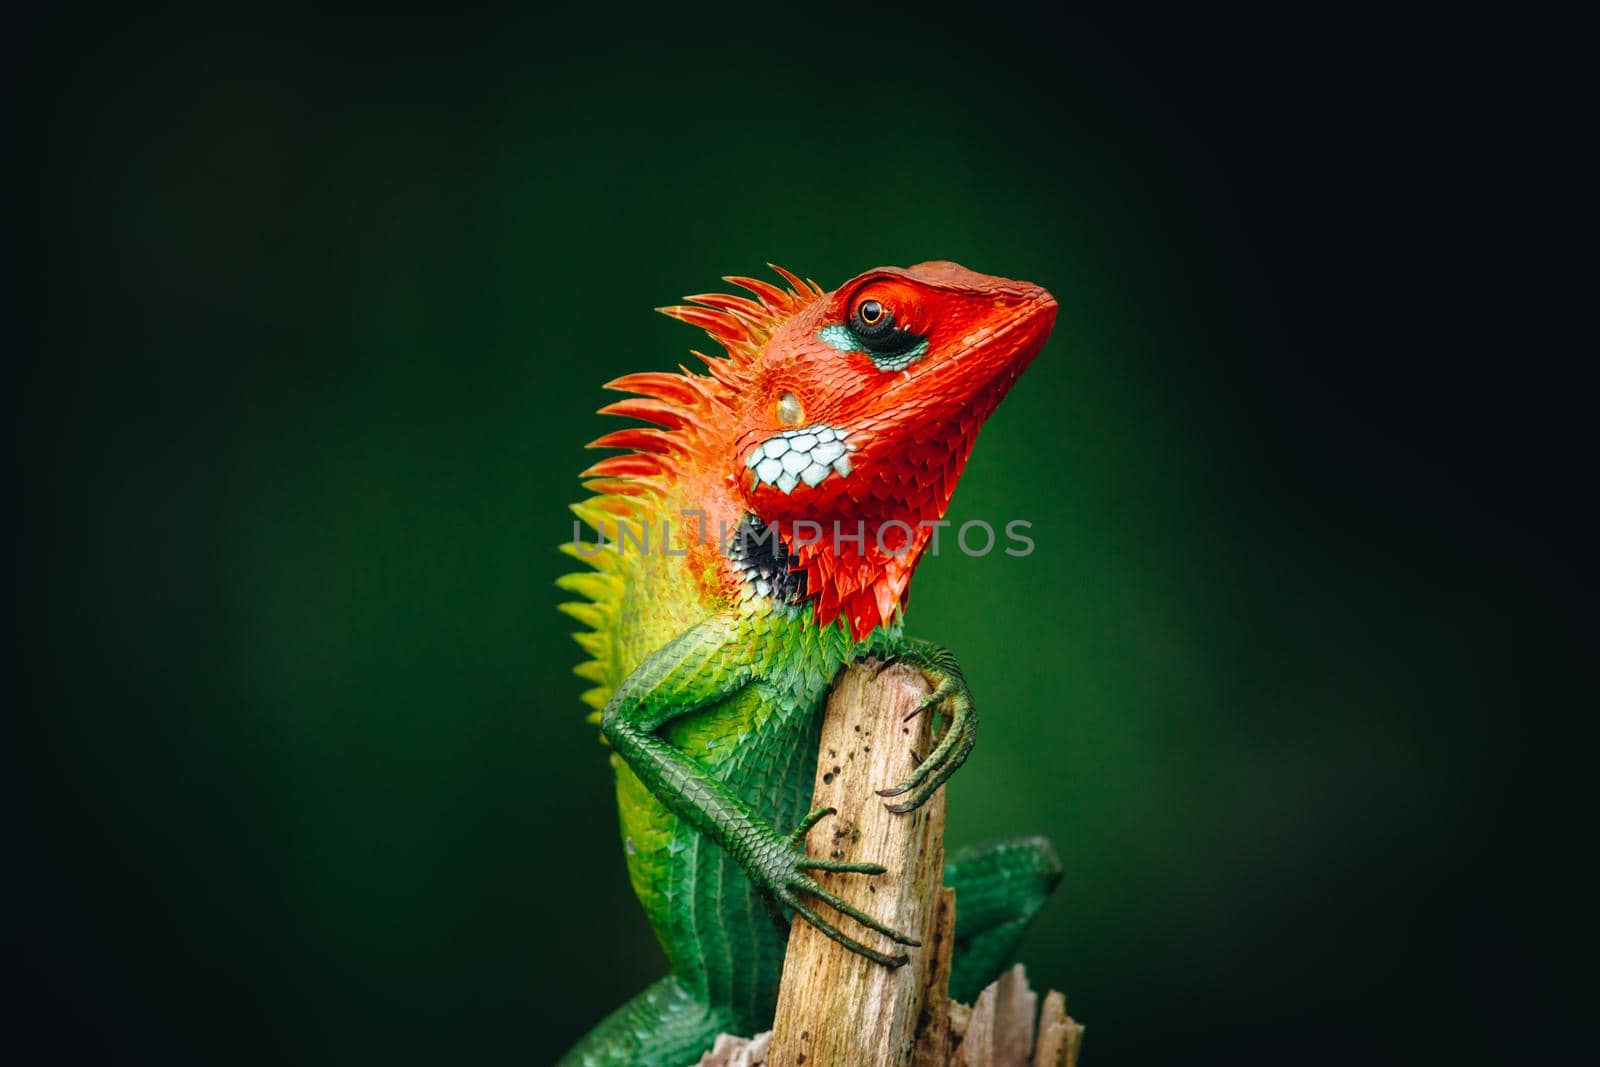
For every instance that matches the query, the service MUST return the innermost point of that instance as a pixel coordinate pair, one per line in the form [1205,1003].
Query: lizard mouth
[806,456]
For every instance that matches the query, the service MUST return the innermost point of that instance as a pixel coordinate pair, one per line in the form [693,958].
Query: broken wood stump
[998,1030]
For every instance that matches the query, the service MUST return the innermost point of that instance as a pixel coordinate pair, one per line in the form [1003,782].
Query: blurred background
[314,312]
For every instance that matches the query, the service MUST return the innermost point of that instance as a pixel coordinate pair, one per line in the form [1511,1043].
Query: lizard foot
[952,700]
[784,872]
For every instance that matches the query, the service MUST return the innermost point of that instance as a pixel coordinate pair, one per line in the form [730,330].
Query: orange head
[843,419]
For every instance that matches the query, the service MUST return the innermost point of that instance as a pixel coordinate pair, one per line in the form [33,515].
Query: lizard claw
[938,697]
[953,701]
[960,733]
[787,879]
[798,836]
[879,666]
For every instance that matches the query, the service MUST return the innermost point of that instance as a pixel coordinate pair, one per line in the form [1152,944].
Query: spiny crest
[690,410]
[601,588]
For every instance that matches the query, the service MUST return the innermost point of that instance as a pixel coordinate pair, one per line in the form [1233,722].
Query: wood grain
[836,1008]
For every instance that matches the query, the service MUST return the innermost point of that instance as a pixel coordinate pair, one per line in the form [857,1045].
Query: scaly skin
[714,647]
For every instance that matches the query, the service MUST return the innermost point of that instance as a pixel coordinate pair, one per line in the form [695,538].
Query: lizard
[755,538]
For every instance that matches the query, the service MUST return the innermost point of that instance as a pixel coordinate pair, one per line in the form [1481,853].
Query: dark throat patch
[763,559]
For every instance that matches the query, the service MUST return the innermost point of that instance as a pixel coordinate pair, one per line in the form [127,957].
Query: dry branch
[836,1008]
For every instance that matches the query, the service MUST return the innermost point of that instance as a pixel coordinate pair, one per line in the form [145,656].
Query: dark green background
[314,316]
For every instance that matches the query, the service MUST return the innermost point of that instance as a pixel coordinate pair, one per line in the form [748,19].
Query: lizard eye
[790,412]
[873,324]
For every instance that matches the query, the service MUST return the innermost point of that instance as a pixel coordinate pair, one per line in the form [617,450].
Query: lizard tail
[664,1026]
[999,889]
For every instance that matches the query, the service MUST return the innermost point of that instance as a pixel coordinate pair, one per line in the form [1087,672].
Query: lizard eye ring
[870,312]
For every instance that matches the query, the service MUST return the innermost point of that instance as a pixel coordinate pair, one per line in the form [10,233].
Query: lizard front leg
[698,667]
[952,700]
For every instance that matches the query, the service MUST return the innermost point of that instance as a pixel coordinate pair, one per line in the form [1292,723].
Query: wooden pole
[835,1008]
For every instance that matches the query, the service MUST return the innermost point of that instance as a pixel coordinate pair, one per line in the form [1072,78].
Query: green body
[723,938]
[713,701]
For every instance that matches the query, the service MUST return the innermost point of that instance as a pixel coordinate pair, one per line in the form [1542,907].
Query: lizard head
[842,419]
[861,412]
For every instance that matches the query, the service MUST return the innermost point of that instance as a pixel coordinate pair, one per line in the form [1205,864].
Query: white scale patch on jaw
[801,457]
